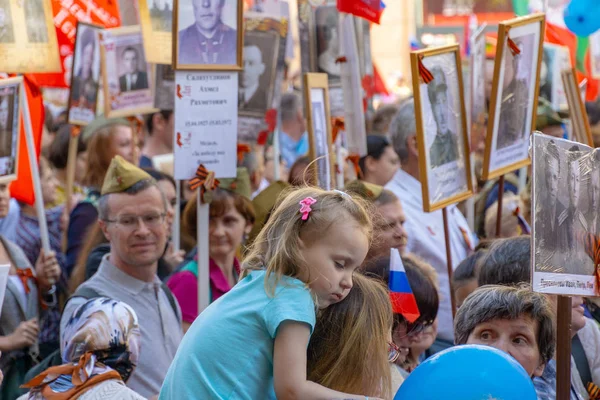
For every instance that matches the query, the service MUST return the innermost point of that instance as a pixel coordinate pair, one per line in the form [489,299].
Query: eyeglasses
[393,352]
[413,329]
[152,220]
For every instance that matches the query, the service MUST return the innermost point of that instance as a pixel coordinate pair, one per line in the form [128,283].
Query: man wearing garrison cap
[445,145]
[132,212]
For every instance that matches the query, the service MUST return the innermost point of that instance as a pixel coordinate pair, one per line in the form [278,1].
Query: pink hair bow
[305,207]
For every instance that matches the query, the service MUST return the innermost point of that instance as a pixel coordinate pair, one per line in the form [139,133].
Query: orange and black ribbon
[593,391]
[337,125]
[341,60]
[271,120]
[426,75]
[205,180]
[354,158]
[242,148]
[75,131]
[26,275]
[137,123]
[514,49]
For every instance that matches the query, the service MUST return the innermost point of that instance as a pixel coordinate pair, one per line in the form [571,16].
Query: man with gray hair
[293,138]
[132,212]
[426,230]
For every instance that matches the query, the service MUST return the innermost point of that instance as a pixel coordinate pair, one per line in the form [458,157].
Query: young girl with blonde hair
[251,342]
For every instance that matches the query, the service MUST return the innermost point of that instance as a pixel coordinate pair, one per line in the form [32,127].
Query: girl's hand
[47,269]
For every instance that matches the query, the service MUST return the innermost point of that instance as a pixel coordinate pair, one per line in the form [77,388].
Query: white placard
[205,123]
[4,269]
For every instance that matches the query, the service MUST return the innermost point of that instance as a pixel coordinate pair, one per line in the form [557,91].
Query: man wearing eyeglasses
[132,212]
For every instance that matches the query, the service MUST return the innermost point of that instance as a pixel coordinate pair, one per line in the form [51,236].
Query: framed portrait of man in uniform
[442,136]
[579,119]
[10,96]
[208,35]
[316,101]
[515,90]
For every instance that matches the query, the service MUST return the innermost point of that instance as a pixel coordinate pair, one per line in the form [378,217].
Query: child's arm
[289,366]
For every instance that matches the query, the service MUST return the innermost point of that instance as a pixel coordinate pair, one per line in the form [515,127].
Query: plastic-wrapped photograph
[441,128]
[566,226]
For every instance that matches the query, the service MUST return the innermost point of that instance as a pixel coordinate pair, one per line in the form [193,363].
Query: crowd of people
[299,294]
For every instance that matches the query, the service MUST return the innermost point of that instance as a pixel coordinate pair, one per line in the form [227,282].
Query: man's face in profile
[208,13]
[253,66]
[130,61]
[3,112]
[440,111]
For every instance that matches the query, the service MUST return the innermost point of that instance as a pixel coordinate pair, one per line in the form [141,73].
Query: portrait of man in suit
[208,40]
[5,127]
[132,78]
[257,78]
[445,145]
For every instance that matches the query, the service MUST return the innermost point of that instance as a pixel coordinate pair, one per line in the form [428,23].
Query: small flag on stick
[401,295]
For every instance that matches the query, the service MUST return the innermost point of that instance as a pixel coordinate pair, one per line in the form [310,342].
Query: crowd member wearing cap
[105,139]
[101,345]
[27,290]
[159,141]
[426,230]
[388,224]
[445,145]
[231,219]
[351,347]
[512,319]
[132,215]
[381,162]
[58,155]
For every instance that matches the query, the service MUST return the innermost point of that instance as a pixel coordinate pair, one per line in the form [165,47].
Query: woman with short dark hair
[381,162]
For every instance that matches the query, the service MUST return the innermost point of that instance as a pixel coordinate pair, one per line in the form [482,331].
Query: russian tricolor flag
[401,295]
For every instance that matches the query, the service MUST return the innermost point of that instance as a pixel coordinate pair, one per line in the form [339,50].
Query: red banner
[66,14]
[370,10]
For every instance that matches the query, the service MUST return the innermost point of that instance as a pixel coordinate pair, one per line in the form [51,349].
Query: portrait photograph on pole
[85,75]
[316,98]
[477,103]
[10,93]
[208,35]
[442,137]
[156,19]
[555,59]
[580,123]
[126,72]
[566,224]
[515,88]
[164,87]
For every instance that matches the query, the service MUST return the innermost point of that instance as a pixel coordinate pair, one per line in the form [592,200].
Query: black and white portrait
[85,75]
[327,41]
[477,92]
[132,68]
[9,129]
[444,148]
[555,59]
[207,32]
[257,79]
[37,31]
[161,15]
[6,124]
[7,33]
[321,144]
[564,193]
[165,87]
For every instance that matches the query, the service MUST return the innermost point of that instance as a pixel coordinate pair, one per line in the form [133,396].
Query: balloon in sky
[582,17]
[469,372]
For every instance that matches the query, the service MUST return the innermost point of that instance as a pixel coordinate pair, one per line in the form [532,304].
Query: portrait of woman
[84,87]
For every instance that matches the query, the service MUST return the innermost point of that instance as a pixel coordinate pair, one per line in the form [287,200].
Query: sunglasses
[413,329]
[393,352]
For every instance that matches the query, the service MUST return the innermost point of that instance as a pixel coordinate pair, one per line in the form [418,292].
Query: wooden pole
[71,164]
[563,348]
[276,150]
[499,213]
[449,259]
[339,171]
[203,258]
[177,218]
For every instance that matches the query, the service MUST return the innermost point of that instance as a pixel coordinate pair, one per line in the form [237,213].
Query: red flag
[22,188]
[371,10]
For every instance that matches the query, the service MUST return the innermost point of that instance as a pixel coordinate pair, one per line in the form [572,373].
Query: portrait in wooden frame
[28,41]
[126,74]
[579,118]
[156,20]
[477,82]
[85,75]
[11,94]
[226,21]
[515,90]
[318,115]
[442,132]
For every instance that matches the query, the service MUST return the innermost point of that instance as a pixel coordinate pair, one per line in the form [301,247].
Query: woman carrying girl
[251,343]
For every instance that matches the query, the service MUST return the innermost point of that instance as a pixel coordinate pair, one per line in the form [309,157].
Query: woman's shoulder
[111,389]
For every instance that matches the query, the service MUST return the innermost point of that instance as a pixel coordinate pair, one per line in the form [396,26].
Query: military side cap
[263,205]
[122,175]
[546,116]
[367,191]
[240,184]
[99,123]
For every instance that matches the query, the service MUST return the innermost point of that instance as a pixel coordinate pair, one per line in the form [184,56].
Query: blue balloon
[582,17]
[469,372]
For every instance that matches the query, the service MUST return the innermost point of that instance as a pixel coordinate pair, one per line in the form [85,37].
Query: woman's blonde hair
[100,154]
[348,350]
[276,249]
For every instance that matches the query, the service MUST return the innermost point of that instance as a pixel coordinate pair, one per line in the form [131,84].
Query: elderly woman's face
[516,337]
